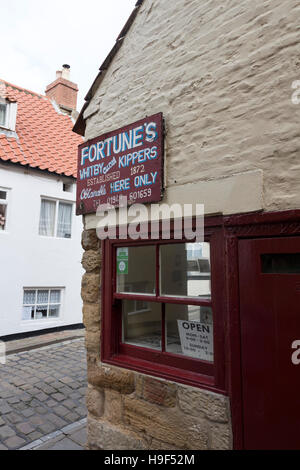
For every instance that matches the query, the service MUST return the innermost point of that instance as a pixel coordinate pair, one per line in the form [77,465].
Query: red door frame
[247,226]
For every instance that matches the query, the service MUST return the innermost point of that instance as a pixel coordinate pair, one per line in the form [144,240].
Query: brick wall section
[128,410]
[221,72]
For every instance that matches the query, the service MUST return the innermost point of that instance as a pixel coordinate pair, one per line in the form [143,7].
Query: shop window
[3,209]
[55,219]
[39,304]
[164,313]
[130,280]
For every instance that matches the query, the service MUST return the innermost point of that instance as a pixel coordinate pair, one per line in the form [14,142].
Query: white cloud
[37,37]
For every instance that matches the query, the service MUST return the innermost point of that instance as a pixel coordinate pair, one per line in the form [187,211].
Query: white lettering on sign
[196,339]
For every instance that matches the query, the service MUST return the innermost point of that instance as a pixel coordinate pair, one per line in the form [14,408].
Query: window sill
[41,321]
[48,237]
[171,374]
[8,132]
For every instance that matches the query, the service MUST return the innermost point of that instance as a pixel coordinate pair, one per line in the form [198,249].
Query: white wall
[30,260]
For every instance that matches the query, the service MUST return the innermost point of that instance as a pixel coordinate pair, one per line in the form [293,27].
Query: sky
[38,36]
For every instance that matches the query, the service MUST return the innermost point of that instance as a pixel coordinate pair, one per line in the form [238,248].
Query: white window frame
[57,202]
[10,115]
[35,304]
[5,202]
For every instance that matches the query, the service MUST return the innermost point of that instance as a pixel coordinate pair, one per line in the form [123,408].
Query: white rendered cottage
[40,250]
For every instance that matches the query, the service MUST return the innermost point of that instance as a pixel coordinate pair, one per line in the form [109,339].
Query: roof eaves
[80,125]
[29,166]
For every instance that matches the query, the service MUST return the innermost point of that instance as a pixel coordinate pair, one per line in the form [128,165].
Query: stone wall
[129,410]
[222,74]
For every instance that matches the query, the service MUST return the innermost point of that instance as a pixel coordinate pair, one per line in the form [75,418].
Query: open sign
[196,339]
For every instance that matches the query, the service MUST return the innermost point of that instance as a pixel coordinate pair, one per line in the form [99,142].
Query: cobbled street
[41,391]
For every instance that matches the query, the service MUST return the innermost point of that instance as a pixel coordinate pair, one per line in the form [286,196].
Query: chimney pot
[66,71]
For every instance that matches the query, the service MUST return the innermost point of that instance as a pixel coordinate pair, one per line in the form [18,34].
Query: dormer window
[8,114]
[2,114]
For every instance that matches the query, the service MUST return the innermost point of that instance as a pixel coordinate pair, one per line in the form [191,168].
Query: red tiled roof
[44,137]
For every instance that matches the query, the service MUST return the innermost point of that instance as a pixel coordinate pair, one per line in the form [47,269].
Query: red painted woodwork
[182,369]
[226,233]
[270,322]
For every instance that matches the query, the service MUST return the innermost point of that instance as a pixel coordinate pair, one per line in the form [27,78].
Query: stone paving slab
[71,437]
[41,391]
[33,342]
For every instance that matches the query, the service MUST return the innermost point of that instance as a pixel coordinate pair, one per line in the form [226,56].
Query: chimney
[63,91]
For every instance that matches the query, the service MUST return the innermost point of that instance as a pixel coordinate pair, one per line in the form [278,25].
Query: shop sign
[127,162]
[196,339]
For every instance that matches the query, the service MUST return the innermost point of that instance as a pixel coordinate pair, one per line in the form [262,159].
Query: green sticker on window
[122,261]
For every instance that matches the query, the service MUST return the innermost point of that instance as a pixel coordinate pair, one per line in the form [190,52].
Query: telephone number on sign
[140,194]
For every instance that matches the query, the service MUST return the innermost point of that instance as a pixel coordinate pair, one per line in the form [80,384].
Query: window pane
[2,114]
[136,269]
[2,216]
[68,187]
[29,297]
[55,297]
[280,263]
[42,296]
[54,311]
[142,327]
[47,218]
[64,220]
[185,269]
[41,311]
[3,195]
[28,313]
[189,331]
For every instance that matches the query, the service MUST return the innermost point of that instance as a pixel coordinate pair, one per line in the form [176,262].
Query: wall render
[221,73]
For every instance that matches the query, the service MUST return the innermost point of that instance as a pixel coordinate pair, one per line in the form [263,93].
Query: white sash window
[55,219]
[3,209]
[39,304]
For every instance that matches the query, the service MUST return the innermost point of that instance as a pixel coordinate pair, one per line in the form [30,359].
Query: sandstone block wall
[129,410]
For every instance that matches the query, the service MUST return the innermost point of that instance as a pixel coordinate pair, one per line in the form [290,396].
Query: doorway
[269,278]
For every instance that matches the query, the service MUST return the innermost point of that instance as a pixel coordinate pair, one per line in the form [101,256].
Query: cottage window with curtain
[55,219]
[39,304]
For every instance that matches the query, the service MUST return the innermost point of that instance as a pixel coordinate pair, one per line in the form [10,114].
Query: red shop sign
[125,162]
